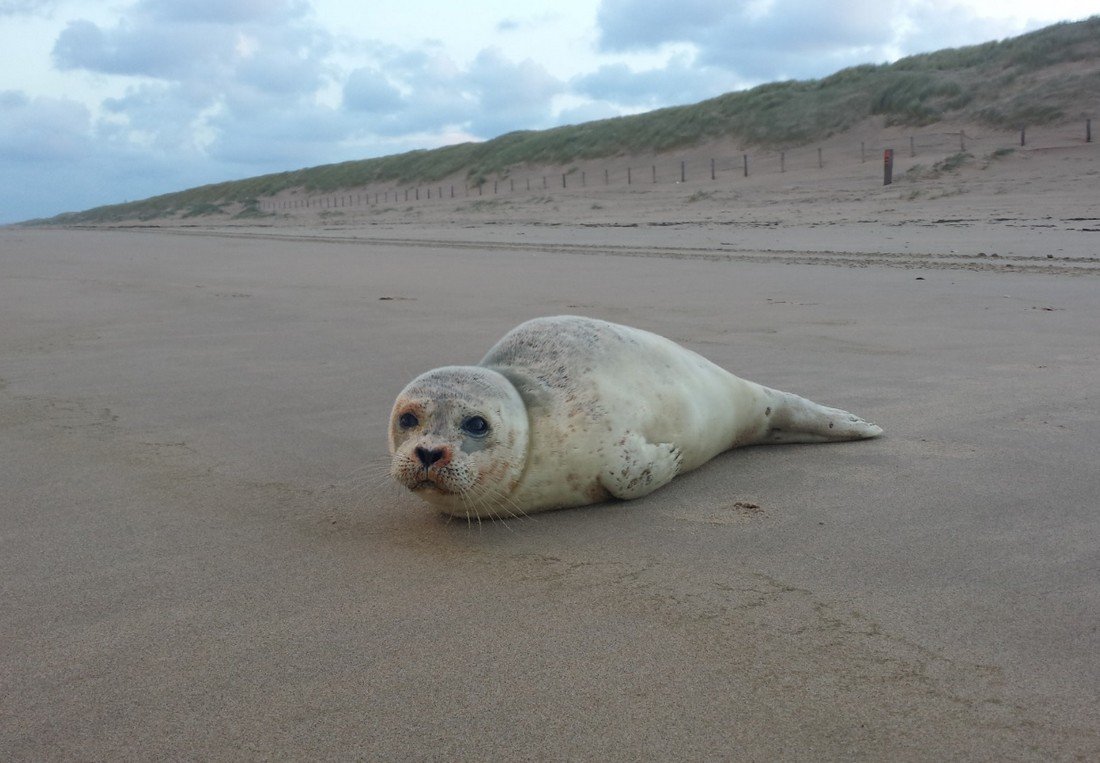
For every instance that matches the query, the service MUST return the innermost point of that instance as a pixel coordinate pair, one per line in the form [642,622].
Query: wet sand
[202,557]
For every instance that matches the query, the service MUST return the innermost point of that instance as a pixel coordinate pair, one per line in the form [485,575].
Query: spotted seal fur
[566,411]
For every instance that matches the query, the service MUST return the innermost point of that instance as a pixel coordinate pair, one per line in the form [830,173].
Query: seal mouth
[429,485]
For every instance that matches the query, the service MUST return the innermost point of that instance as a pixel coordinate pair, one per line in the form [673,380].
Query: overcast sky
[109,101]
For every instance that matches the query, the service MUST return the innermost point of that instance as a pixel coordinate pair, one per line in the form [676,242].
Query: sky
[105,101]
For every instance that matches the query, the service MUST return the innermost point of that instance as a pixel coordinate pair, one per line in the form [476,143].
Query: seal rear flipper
[639,467]
[794,419]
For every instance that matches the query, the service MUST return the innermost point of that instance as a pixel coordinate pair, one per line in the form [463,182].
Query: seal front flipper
[793,419]
[637,467]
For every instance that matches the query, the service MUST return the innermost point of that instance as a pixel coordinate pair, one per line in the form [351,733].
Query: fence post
[962,140]
[912,146]
[563,180]
[782,161]
[1088,131]
[495,184]
[512,184]
[712,169]
[606,178]
[888,166]
[1023,136]
[628,176]
[584,180]
[820,163]
[745,159]
[654,173]
[682,176]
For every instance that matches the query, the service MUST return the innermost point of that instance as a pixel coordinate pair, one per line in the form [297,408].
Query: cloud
[679,81]
[142,49]
[933,26]
[157,117]
[510,96]
[54,158]
[409,91]
[228,87]
[641,24]
[780,39]
[369,91]
[210,41]
[42,129]
[202,70]
[280,138]
[289,64]
[223,11]
[416,90]
[27,7]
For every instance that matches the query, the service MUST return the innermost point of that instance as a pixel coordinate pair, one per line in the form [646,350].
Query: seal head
[458,437]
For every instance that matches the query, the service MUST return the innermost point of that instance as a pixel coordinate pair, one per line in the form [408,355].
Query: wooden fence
[931,146]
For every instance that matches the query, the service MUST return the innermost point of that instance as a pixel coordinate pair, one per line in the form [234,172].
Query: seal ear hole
[407,420]
[476,426]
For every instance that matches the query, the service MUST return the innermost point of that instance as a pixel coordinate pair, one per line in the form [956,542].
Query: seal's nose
[429,456]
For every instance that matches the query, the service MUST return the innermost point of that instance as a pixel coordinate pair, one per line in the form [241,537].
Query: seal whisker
[504,502]
[493,505]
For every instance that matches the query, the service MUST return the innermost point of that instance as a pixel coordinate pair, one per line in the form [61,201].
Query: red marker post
[888,166]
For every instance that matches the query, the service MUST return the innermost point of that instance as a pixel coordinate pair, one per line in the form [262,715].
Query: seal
[566,411]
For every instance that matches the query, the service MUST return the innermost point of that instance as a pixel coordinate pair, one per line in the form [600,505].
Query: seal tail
[794,419]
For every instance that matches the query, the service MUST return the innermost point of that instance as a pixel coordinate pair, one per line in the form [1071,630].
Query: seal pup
[566,411]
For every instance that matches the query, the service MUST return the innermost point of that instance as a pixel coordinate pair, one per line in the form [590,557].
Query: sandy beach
[202,556]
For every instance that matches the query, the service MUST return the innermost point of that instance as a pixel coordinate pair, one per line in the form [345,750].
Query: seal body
[566,411]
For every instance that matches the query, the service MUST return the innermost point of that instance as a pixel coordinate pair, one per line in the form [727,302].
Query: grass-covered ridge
[1043,77]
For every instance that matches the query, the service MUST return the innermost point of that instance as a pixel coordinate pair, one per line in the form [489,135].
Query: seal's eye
[407,420]
[476,426]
